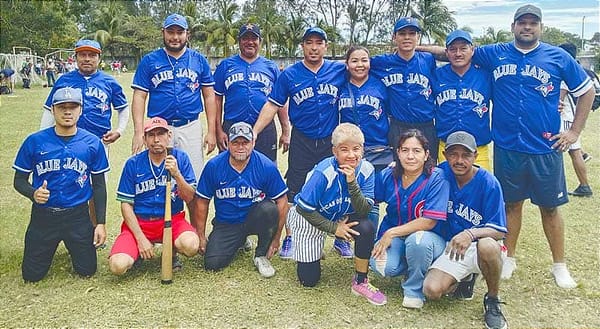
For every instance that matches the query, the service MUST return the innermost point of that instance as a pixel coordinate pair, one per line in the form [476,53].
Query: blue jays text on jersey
[326,190]
[66,166]
[526,90]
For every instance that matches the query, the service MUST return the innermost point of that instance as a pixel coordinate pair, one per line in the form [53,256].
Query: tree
[493,36]
[222,30]
[436,20]
[271,22]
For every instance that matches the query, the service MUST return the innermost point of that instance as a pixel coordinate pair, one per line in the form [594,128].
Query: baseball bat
[166,271]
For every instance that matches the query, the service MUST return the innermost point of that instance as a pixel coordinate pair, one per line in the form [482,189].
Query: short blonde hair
[347,132]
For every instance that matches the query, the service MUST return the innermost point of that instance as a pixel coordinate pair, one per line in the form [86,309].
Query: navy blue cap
[175,19]
[314,30]
[249,28]
[407,22]
[458,34]
[90,45]
[67,95]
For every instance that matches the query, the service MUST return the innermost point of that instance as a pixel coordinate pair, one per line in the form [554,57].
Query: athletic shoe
[177,264]
[562,277]
[286,251]
[492,313]
[343,248]
[464,289]
[412,302]
[509,265]
[247,245]
[372,294]
[137,264]
[264,266]
[582,190]
[586,157]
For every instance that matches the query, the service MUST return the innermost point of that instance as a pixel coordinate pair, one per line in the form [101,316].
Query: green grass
[239,297]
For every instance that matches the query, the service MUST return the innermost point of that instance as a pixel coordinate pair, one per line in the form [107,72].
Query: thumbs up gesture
[42,194]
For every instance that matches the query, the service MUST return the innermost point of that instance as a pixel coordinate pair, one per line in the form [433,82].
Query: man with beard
[175,77]
[242,84]
[249,199]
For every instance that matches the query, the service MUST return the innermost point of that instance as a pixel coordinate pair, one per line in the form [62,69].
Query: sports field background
[239,297]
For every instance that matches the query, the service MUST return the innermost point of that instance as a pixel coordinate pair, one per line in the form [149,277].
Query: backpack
[596,82]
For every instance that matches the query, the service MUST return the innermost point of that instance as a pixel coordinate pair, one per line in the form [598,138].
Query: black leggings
[309,274]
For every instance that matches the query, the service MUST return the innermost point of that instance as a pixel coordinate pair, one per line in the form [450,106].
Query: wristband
[471,235]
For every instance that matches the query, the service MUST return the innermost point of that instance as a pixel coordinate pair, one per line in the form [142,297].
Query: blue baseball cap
[67,95]
[90,45]
[407,22]
[458,34]
[249,28]
[175,19]
[314,30]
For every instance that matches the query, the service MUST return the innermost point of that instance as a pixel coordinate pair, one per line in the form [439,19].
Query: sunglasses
[235,130]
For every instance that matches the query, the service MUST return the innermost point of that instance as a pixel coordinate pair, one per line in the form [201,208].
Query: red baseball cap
[154,123]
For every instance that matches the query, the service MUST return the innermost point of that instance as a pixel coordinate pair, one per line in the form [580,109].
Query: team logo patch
[376,113]
[426,92]
[103,107]
[193,86]
[480,110]
[82,179]
[545,88]
[419,209]
[259,197]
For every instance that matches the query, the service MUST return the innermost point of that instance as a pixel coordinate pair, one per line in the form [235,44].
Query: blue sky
[566,15]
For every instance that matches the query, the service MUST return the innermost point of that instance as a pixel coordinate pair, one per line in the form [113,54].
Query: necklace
[162,168]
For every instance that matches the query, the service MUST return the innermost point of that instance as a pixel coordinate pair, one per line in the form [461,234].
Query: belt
[179,122]
[150,219]
[54,210]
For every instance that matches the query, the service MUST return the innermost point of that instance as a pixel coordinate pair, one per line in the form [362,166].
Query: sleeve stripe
[202,195]
[122,106]
[139,87]
[305,206]
[280,194]
[582,88]
[208,84]
[496,227]
[47,107]
[219,93]
[15,167]
[124,199]
[433,214]
[275,102]
[125,195]
[100,171]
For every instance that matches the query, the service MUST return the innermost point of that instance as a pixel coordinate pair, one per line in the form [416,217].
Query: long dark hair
[416,133]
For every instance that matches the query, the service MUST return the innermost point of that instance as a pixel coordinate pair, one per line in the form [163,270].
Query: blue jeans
[411,256]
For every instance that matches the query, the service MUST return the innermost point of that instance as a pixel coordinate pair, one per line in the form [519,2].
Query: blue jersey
[236,192]
[463,103]
[174,85]
[526,90]
[477,204]
[367,111]
[326,189]
[425,197]
[143,184]
[66,166]
[245,86]
[100,91]
[409,84]
[313,97]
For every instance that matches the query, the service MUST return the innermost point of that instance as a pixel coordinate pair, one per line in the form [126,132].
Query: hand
[561,106]
[457,247]
[348,171]
[202,247]
[222,139]
[274,247]
[171,166]
[146,248]
[42,194]
[137,144]
[111,137]
[344,230]
[564,140]
[210,142]
[284,143]
[381,245]
[99,235]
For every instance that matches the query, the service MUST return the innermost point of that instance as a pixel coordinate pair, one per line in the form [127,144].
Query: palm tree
[222,31]
[272,24]
[493,36]
[109,18]
[436,20]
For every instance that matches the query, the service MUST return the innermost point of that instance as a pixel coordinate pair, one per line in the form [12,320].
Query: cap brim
[409,25]
[88,48]
[67,101]
[175,24]
[461,144]
[314,33]
[240,135]
[249,32]
[458,38]
[155,127]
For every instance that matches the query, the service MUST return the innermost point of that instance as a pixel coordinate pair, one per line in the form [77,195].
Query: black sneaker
[464,289]
[582,190]
[586,157]
[177,264]
[493,317]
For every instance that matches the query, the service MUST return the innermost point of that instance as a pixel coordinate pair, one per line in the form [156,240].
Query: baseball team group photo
[299,164]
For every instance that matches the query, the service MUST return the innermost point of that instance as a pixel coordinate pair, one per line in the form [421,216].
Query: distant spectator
[51,73]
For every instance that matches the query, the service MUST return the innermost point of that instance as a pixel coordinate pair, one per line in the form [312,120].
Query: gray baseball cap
[241,129]
[528,9]
[67,95]
[461,138]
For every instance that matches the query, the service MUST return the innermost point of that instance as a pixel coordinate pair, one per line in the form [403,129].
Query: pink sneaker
[372,294]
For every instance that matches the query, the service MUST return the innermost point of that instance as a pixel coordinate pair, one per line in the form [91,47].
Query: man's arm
[138,109]
[282,207]
[99,196]
[198,221]
[210,106]
[112,135]
[438,52]
[284,122]
[267,113]
[144,245]
[186,191]
[221,135]
[565,139]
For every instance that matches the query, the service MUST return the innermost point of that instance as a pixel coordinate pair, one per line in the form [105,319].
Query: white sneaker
[509,265]
[412,302]
[264,266]
[562,276]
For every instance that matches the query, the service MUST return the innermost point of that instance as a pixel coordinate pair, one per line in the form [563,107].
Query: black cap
[249,28]
[528,9]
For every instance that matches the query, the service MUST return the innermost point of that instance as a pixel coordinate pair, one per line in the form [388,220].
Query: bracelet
[471,235]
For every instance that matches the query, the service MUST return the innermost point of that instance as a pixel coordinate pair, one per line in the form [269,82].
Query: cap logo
[249,27]
[67,94]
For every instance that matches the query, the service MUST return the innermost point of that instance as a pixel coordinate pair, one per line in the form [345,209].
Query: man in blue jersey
[476,222]
[249,199]
[242,84]
[462,94]
[142,190]
[176,80]
[312,88]
[101,94]
[67,165]
[408,76]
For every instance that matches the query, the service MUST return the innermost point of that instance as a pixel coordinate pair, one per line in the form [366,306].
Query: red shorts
[153,230]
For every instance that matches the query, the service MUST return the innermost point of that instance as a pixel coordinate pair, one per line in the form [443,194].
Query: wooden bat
[166,270]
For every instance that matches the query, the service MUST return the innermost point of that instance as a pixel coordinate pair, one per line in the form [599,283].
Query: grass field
[239,297]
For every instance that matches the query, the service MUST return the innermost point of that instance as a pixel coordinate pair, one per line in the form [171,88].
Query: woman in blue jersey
[410,236]
[362,102]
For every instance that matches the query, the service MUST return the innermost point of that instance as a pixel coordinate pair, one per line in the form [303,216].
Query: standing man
[142,191]
[68,166]
[100,92]
[476,222]
[462,95]
[408,76]
[245,80]
[175,77]
[249,198]
[312,87]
